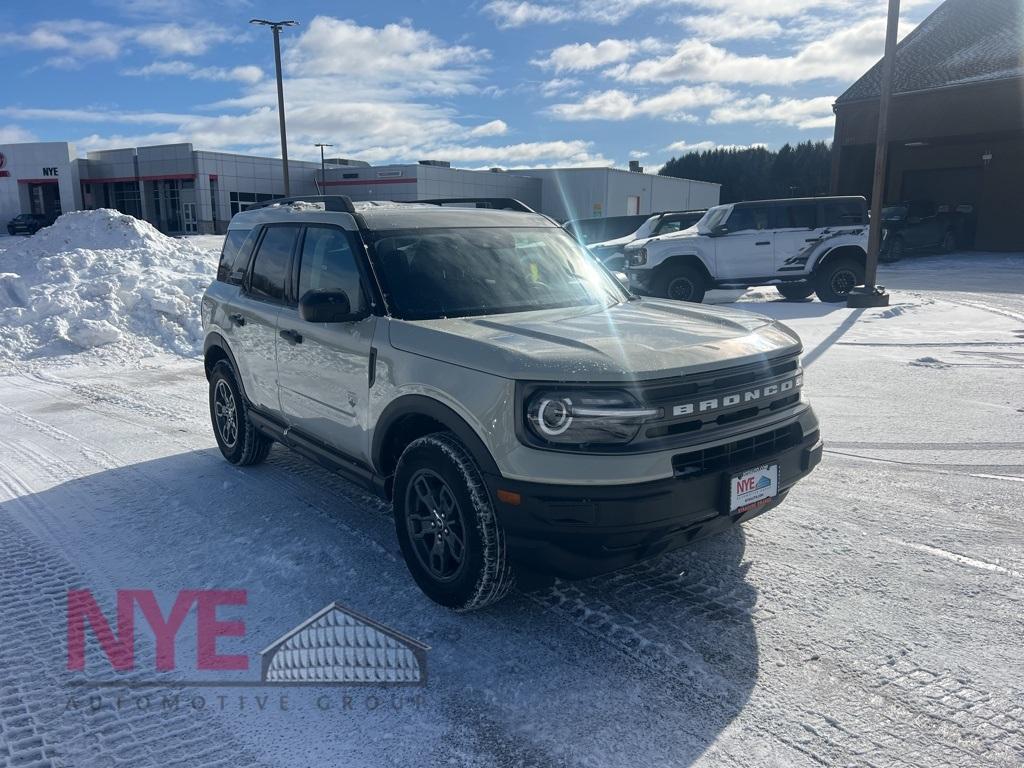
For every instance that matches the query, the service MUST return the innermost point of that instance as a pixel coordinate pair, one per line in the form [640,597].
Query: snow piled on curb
[101,280]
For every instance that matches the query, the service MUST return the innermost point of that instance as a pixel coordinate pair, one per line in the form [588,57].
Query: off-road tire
[249,445]
[795,291]
[484,575]
[681,283]
[836,278]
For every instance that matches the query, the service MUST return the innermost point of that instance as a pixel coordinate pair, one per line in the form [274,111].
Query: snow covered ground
[874,619]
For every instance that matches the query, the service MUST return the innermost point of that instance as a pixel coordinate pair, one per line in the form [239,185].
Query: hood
[642,339]
[683,234]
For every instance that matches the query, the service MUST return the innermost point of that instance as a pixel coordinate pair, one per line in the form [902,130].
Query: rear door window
[273,264]
[843,213]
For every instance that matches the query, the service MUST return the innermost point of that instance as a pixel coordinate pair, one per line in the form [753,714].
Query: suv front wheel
[837,278]
[452,542]
[795,291]
[682,283]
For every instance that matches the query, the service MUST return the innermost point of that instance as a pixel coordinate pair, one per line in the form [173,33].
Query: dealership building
[562,193]
[956,121]
[181,190]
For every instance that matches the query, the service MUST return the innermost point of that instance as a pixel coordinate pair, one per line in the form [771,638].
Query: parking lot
[873,619]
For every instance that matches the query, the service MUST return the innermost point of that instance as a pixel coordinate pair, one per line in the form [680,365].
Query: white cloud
[516,14]
[804,114]
[15,134]
[395,55]
[731,26]
[176,40]
[841,56]
[558,85]
[493,128]
[577,57]
[620,105]
[76,41]
[176,67]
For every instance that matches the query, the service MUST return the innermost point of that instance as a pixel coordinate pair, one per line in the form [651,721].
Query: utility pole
[276,27]
[323,168]
[871,295]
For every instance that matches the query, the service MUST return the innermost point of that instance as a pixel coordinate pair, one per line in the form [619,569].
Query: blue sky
[509,83]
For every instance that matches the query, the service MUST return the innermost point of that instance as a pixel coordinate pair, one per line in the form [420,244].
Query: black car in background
[598,230]
[29,223]
[921,225]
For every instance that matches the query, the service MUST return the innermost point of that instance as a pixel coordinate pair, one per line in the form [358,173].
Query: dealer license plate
[753,488]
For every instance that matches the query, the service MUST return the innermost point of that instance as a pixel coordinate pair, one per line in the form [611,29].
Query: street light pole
[323,168]
[276,27]
[871,295]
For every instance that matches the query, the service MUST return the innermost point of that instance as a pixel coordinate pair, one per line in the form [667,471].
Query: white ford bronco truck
[801,246]
[525,414]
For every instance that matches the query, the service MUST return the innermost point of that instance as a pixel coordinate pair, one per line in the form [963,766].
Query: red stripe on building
[47,180]
[364,182]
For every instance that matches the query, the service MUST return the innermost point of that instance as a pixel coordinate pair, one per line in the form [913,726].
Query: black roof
[961,42]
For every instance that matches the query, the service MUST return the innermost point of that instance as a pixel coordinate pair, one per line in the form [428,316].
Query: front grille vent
[737,453]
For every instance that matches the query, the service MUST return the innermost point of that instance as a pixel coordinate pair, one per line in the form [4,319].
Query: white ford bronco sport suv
[524,413]
[801,246]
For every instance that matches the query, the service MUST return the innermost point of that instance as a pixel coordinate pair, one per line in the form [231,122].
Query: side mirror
[720,230]
[326,307]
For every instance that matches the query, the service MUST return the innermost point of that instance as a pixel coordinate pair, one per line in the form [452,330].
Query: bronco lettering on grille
[737,398]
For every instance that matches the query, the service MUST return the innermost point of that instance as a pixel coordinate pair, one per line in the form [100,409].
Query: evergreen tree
[759,173]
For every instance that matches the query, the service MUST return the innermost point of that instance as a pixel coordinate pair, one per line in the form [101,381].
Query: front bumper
[580,531]
[639,279]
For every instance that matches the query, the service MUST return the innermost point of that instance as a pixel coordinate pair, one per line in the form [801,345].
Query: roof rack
[499,203]
[336,203]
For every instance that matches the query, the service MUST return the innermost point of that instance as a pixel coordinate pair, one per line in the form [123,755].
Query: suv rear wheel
[451,540]
[837,278]
[682,283]
[239,441]
[795,291]
[891,251]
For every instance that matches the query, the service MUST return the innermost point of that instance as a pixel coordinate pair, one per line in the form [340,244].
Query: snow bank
[101,279]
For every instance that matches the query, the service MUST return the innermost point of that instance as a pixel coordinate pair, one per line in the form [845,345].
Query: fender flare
[214,339]
[822,250]
[688,256]
[421,405]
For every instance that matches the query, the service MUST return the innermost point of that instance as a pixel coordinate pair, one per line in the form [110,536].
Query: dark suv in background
[922,225]
[29,223]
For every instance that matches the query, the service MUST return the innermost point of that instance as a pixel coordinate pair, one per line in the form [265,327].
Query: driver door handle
[763,242]
[292,337]
[237,318]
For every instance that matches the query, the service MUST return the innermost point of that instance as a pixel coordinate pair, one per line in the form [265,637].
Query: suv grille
[698,407]
[744,451]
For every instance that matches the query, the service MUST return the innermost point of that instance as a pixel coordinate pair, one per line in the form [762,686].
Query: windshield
[714,217]
[430,273]
[894,213]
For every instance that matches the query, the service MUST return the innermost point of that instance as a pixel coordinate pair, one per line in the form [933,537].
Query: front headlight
[636,258]
[581,417]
